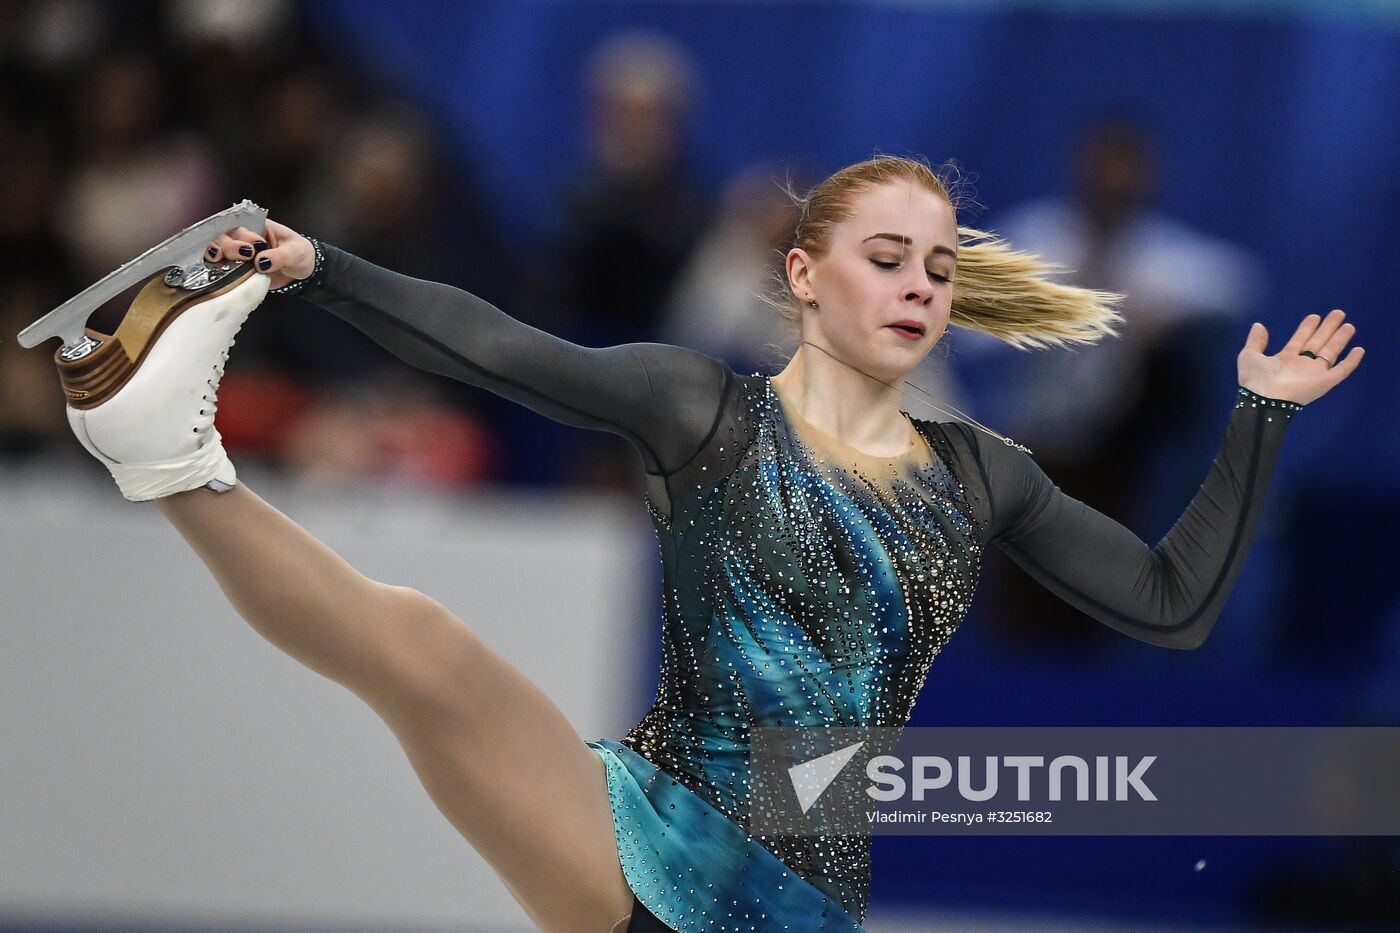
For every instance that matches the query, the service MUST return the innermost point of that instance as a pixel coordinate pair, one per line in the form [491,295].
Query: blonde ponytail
[1008,294]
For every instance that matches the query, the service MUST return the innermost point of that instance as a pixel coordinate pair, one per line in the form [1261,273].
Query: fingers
[278,234]
[1258,339]
[1306,329]
[1345,367]
[277,248]
[1325,331]
[272,260]
[239,243]
[1332,349]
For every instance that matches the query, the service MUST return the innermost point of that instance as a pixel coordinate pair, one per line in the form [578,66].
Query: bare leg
[495,754]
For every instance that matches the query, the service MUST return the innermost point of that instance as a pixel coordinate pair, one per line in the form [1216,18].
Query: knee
[429,654]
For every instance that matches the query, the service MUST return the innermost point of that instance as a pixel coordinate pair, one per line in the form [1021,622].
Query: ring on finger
[1312,355]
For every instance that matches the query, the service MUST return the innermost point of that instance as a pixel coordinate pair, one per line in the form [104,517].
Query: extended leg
[495,754]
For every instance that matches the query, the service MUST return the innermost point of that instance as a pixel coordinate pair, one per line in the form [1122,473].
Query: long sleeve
[1167,595]
[663,399]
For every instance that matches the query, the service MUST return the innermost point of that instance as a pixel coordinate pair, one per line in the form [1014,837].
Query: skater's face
[894,259]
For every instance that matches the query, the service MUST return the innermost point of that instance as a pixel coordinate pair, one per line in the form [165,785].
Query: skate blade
[184,251]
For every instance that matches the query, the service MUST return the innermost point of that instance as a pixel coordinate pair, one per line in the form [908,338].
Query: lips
[909,328]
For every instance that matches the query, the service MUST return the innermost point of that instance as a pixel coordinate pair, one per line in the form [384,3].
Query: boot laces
[211,400]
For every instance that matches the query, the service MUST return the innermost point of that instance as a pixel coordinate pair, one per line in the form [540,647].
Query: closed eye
[894,265]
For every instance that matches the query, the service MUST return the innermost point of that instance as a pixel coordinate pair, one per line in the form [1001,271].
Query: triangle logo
[811,778]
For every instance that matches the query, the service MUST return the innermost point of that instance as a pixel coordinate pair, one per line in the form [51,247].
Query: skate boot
[142,399]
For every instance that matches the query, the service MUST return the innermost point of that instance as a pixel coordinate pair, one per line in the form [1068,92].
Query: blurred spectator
[243,27]
[56,34]
[240,64]
[377,188]
[386,194]
[299,121]
[715,307]
[380,189]
[1098,418]
[135,181]
[634,217]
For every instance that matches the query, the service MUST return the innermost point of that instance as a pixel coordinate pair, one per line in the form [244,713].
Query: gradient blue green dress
[806,583]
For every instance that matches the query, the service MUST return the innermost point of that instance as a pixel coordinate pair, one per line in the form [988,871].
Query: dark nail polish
[213,251]
[259,246]
[264,264]
[245,250]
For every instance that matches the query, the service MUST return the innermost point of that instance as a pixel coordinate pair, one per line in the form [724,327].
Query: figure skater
[819,544]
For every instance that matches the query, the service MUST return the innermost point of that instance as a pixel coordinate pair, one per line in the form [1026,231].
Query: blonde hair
[996,289]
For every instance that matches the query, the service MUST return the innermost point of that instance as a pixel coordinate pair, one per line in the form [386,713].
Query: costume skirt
[693,868]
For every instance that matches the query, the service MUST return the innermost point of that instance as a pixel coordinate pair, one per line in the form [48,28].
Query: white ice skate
[142,399]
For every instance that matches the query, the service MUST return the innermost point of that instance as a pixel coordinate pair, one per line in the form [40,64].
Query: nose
[921,290]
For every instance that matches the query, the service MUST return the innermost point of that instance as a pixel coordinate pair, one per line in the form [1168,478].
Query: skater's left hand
[1289,375]
[280,251]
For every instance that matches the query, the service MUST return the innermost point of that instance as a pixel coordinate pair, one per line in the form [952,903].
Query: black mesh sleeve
[1167,595]
[663,399]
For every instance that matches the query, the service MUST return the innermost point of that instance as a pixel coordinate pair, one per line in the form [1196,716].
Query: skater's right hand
[281,252]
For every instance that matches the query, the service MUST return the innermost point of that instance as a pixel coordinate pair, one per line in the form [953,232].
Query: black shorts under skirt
[643,920]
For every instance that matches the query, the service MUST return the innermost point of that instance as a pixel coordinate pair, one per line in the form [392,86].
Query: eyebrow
[905,241]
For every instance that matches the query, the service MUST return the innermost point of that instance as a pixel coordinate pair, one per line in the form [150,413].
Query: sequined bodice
[801,591]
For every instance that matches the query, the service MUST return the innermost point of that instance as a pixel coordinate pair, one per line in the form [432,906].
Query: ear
[799,273]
